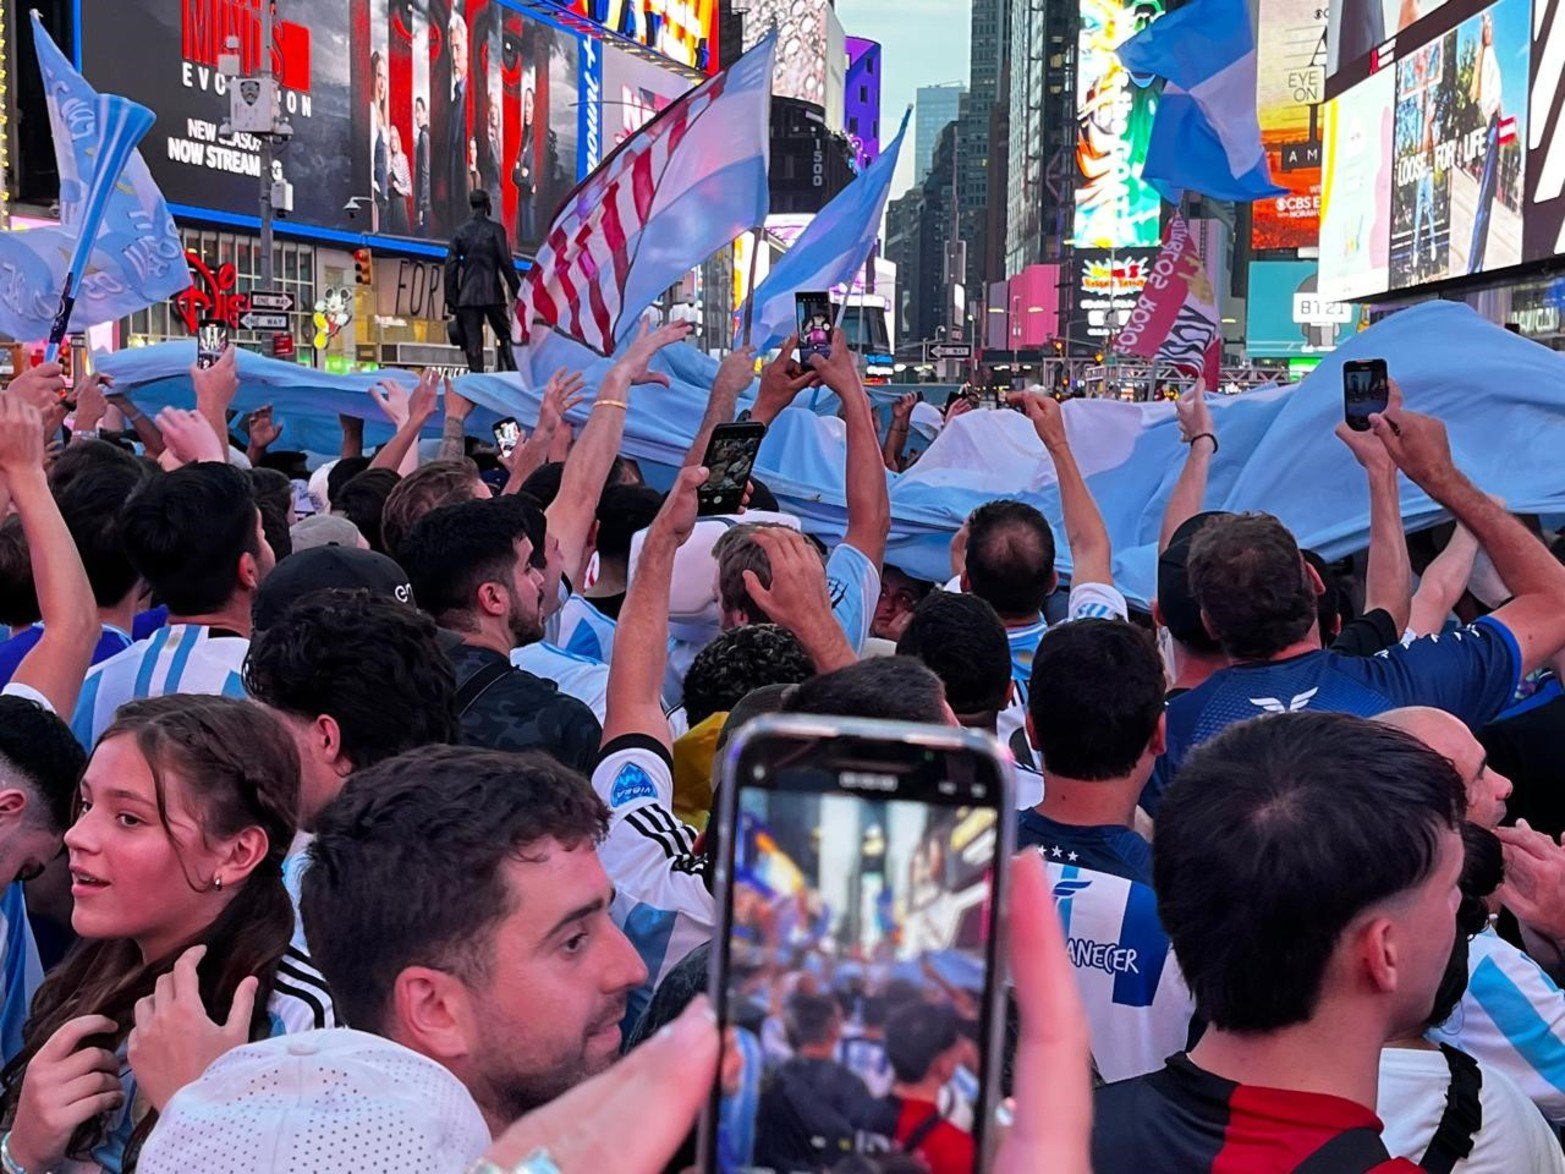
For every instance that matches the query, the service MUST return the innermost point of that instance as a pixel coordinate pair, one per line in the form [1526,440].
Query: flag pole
[757,236]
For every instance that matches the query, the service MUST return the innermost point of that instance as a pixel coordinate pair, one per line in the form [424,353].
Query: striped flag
[683,186]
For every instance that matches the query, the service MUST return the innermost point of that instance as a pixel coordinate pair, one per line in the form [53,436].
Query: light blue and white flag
[1206,136]
[829,252]
[135,258]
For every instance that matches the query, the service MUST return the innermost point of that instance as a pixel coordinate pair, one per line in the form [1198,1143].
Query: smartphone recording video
[211,342]
[860,877]
[812,312]
[506,433]
[729,460]
[1365,391]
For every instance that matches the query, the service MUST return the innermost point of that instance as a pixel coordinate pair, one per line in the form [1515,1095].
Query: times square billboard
[1444,153]
[399,108]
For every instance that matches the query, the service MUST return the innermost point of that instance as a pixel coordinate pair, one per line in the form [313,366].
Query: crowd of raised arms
[359,818]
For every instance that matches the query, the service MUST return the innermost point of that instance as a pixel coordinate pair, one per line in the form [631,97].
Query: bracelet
[611,403]
[7,1163]
[86,434]
[1212,436]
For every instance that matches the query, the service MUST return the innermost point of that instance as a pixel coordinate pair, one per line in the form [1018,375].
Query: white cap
[926,419]
[319,1101]
[318,483]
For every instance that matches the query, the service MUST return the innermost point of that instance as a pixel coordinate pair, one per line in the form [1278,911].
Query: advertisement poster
[800,67]
[1359,27]
[684,31]
[634,92]
[1544,231]
[1355,235]
[1291,84]
[1114,208]
[398,108]
[1459,154]
[1287,316]
[487,98]
[1108,286]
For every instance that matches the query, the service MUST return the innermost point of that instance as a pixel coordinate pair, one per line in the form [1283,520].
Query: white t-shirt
[1411,1099]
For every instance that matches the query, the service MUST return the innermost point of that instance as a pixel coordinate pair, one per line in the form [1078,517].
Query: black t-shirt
[1364,635]
[1524,746]
[520,711]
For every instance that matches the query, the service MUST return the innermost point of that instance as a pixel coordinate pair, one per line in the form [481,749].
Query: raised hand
[1044,412]
[21,436]
[960,406]
[42,386]
[92,401]
[188,437]
[458,406]
[393,399]
[1417,443]
[781,380]
[68,1083]
[902,410]
[1534,887]
[426,396]
[1367,449]
[677,517]
[1194,413]
[216,385]
[836,369]
[174,1041]
[262,429]
[562,393]
[797,597]
[634,363]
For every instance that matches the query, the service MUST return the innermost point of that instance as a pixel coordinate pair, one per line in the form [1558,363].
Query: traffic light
[364,266]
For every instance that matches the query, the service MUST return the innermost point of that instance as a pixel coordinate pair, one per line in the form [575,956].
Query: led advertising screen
[799,70]
[1291,64]
[1454,205]
[398,108]
[1108,286]
[1114,208]
[634,92]
[684,31]
[1359,31]
[1287,316]
[1543,227]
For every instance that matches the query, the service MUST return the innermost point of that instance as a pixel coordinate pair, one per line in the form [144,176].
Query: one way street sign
[250,320]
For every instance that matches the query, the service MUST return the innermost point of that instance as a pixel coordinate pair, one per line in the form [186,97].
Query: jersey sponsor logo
[1273,705]
[630,784]
[1109,957]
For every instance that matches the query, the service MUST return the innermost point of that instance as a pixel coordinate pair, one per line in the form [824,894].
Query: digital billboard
[1287,316]
[1456,90]
[634,92]
[1114,207]
[1543,220]
[684,31]
[398,108]
[1108,285]
[1290,86]
[799,70]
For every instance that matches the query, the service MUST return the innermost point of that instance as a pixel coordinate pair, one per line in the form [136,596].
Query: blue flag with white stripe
[830,251]
[1206,136]
[134,259]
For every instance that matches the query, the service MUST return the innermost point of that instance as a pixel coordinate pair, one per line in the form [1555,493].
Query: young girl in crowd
[185,813]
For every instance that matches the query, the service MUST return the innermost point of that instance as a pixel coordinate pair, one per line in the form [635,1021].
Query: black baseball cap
[1181,613]
[322,568]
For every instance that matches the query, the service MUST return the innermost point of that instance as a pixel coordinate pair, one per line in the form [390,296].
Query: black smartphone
[1365,390]
[860,872]
[506,433]
[211,342]
[730,456]
[812,314]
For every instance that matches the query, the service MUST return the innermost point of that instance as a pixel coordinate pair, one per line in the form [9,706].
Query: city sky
[925,42]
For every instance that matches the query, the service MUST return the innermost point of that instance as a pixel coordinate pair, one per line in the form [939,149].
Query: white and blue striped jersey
[182,658]
[1138,1007]
[586,631]
[20,970]
[1512,1018]
[853,584]
[661,899]
[577,676]
[1088,601]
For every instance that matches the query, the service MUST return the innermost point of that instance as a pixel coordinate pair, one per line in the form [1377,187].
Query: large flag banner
[683,186]
[1176,320]
[1206,136]
[136,258]
[829,252]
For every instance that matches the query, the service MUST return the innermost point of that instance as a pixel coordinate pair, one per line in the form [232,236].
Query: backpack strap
[1463,1116]
[1354,1151]
[478,684]
[921,1132]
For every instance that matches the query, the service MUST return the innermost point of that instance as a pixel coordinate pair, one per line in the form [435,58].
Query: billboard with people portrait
[684,31]
[1115,208]
[398,107]
[1446,197]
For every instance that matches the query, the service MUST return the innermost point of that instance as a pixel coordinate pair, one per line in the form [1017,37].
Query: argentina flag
[135,258]
[1206,137]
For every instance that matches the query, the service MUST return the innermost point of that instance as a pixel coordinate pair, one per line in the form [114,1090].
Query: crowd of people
[357,813]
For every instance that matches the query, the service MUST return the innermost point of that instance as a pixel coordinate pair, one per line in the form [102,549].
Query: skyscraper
[934,107]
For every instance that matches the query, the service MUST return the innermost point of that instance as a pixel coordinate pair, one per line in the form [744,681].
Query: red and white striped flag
[683,186]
